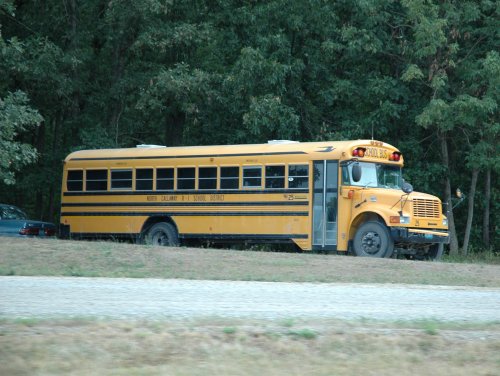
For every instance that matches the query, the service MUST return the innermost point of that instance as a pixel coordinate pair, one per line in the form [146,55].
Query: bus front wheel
[163,234]
[372,239]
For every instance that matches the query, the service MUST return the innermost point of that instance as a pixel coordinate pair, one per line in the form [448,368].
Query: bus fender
[362,218]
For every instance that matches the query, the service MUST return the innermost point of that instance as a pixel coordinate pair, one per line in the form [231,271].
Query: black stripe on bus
[188,192]
[245,236]
[186,204]
[198,236]
[184,214]
[190,156]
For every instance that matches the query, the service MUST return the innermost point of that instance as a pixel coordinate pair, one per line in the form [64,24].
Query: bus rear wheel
[372,239]
[163,234]
[435,252]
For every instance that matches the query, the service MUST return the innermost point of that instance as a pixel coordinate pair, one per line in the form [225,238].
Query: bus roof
[315,150]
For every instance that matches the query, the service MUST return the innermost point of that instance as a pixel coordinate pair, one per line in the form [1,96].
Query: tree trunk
[56,144]
[447,189]
[174,129]
[116,104]
[470,210]
[40,147]
[486,212]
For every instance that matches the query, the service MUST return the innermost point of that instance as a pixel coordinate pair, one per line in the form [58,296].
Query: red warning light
[395,157]
[359,152]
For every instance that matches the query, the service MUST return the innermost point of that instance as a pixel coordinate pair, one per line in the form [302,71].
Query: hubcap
[160,239]
[371,242]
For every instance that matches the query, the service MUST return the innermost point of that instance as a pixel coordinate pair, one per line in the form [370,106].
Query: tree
[443,39]
[16,117]
[420,74]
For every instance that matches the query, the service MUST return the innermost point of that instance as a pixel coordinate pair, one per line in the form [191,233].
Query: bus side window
[144,179]
[74,181]
[207,178]
[252,177]
[298,176]
[96,180]
[164,179]
[275,177]
[185,177]
[229,177]
[121,179]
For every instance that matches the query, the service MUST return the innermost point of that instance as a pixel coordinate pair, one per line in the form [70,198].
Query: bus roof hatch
[144,146]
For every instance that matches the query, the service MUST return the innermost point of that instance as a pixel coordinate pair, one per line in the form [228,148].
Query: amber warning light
[359,152]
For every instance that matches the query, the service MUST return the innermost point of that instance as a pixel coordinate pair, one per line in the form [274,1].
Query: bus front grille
[426,208]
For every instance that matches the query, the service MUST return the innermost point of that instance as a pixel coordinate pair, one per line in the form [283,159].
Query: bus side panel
[284,226]
[105,225]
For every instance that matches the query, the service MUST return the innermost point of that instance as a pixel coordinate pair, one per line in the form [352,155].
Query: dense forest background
[422,75]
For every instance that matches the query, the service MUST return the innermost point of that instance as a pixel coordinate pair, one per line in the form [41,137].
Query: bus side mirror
[356,172]
[407,188]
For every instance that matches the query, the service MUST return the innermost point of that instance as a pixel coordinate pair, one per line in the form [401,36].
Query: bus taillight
[395,157]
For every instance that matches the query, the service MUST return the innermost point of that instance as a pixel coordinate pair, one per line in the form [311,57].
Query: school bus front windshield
[374,175]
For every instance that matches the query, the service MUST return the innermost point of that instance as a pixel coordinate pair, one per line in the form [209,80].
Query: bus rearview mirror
[407,188]
[356,172]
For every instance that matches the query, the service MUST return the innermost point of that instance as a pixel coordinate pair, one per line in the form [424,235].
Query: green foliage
[268,119]
[16,116]
[7,6]
[475,256]
[412,72]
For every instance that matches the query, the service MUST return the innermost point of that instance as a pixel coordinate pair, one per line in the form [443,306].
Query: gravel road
[160,298]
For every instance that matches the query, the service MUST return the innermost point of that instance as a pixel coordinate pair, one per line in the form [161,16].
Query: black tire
[372,239]
[435,252]
[162,234]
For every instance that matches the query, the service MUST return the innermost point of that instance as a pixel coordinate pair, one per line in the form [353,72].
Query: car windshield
[375,175]
[11,212]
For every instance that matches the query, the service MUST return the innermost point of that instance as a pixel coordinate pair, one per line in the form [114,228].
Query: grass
[106,259]
[475,257]
[303,333]
[219,346]
[229,330]
[430,327]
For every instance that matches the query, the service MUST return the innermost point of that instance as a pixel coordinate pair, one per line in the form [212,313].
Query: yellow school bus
[321,196]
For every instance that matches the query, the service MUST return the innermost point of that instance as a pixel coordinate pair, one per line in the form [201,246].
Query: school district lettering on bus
[320,196]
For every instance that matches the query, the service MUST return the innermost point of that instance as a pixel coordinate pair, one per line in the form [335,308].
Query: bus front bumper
[411,235]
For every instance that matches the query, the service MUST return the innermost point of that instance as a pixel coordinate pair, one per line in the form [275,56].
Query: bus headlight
[405,220]
[445,221]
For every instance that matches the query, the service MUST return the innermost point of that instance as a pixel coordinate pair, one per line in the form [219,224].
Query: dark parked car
[14,222]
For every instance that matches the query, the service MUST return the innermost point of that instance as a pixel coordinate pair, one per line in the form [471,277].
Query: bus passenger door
[325,191]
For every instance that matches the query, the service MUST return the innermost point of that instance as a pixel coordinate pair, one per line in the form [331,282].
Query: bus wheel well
[151,221]
[362,218]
